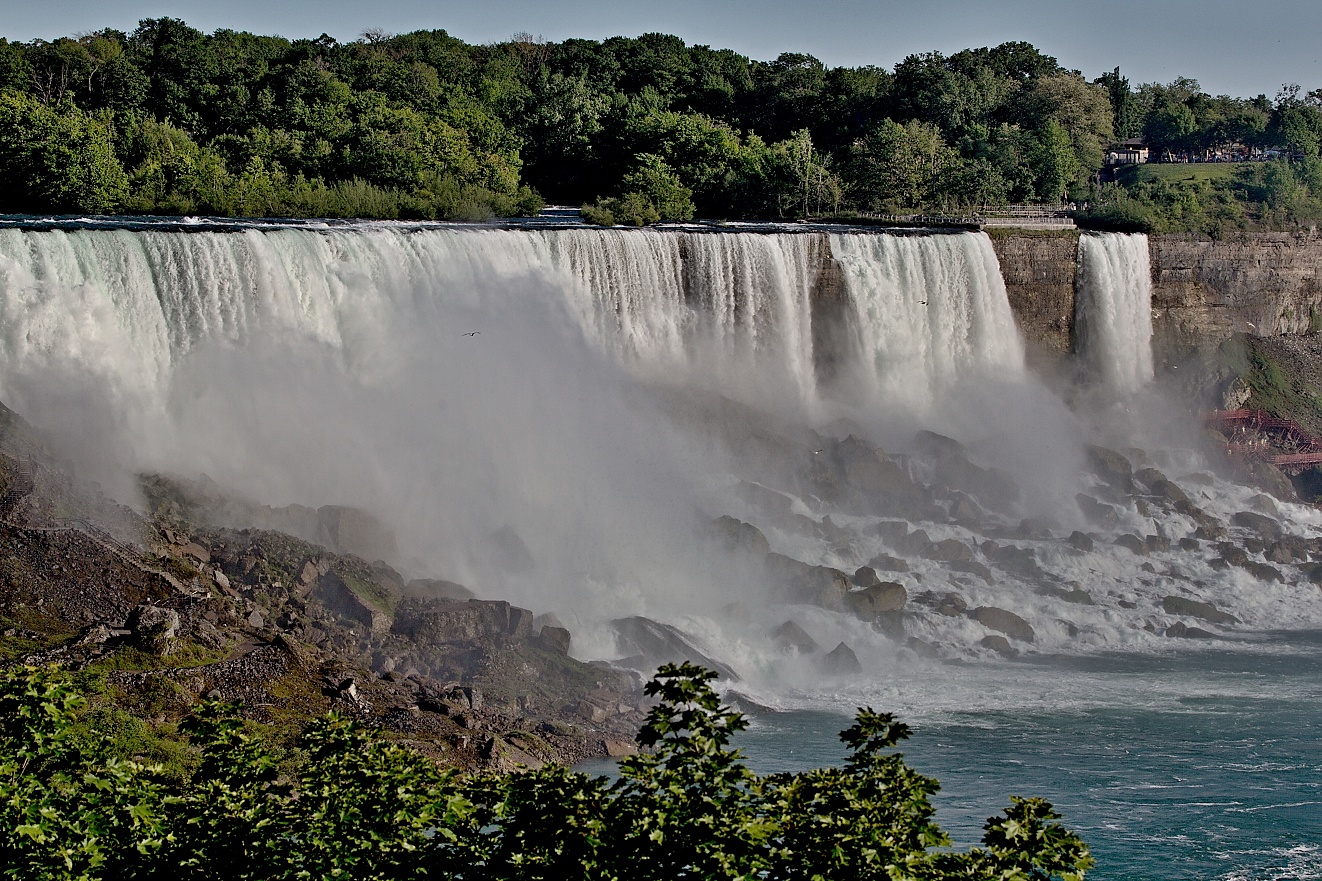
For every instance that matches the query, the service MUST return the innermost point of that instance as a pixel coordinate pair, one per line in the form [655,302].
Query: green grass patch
[1180,171]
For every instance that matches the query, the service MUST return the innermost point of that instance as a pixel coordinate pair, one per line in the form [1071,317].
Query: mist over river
[814,456]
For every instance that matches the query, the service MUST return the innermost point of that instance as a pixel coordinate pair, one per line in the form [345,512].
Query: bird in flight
[815,452]
[473,333]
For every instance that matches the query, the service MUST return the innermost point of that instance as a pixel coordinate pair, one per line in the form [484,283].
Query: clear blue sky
[1245,47]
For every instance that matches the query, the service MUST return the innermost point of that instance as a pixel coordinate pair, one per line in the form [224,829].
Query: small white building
[1131,152]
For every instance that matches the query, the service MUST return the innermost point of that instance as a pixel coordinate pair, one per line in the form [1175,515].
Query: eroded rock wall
[1039,269]
[1264,284]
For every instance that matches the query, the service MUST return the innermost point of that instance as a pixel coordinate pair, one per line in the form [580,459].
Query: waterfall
[1113,310]
[125,306]
[928,310]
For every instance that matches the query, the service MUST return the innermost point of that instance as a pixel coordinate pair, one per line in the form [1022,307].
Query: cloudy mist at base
[556,417]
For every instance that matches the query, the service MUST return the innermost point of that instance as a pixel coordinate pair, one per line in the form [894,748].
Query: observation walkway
[1281,442]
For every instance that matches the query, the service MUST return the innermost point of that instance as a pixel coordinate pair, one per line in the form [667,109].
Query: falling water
[1113,312]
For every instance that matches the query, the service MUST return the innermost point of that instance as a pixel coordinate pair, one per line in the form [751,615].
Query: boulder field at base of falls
[735,448]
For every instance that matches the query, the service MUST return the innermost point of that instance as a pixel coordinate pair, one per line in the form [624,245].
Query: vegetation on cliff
[167,119]
[352,806]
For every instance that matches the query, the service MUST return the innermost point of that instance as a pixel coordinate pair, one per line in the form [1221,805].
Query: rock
[791,636]
[221,580]
[1167,490]
[437,588]
[451,622]
[197,552]
[153,627]
[354,531]
[336,594]
[658,644]
[1148,476]
[916,542]
[1005,621]
[869,602]
[1080,541]
[1264,572]
[922,648]
[951,605]
[1189,544]
[1100,513]
[950,550]
[1157,543]
[1233,554]
[841,661]
[555,639]
[1133,543]
[796,582]
[255,619]
[964,512]
[738,537]
[1111,467]
[887,563]
[1183,631]
[1077,595]
[1000,645]
[1175,605]
[1266,505]
[973,567]
[1266,527]
[1209,532]
[865,576]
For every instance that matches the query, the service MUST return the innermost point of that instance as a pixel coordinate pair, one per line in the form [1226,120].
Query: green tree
[56,159]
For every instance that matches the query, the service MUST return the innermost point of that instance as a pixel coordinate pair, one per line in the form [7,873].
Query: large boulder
[791,636]
[153,628]
[841,661]
[1194,609]
[1004,621]
[1266,527]
[437,589]
[1111,467]
[869,602]
[454,622]
[738,537]
[652,644]
[338,596]
[792,581]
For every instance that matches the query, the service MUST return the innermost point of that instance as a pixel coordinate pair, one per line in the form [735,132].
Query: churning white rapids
[605,394]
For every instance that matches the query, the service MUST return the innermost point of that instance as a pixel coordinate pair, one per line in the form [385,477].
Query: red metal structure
[1282,442]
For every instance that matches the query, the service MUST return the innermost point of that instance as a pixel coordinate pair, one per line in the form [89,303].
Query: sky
[1242,48]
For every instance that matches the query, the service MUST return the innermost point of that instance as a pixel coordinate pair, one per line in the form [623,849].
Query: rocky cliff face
[1039,269]
[1264,284]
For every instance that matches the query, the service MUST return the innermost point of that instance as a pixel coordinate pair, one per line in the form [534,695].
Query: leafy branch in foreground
[361,807]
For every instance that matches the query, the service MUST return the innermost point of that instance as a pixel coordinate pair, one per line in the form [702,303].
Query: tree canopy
[169,119]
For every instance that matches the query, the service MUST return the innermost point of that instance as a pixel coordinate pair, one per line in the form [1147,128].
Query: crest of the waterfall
[928,311]
[731,309]
[1113,310]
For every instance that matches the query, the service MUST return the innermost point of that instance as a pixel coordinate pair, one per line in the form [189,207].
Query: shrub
[360,807]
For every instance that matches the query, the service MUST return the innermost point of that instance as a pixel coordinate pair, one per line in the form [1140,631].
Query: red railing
[1301,448]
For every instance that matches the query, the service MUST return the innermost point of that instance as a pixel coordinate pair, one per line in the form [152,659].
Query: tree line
[348,806]
[167,119]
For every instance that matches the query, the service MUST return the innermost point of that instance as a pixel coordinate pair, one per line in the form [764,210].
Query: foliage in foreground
[364,808]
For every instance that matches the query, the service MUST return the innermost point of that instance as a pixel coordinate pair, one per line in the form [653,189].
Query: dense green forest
[342,805]
[170,120]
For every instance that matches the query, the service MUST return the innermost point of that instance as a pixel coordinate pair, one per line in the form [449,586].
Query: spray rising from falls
[1114,310]
[335,367]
